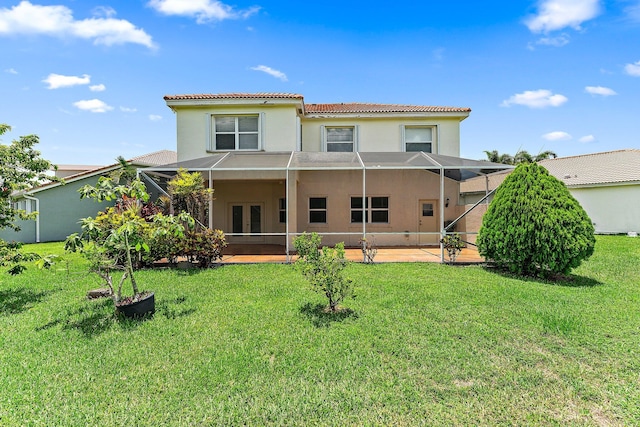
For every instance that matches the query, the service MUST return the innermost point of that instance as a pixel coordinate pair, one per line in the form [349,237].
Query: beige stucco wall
[404,189]
[384,134]
[193,127]
[612,209]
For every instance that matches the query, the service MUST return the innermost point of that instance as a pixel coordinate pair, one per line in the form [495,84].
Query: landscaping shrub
[323,268]
[534,226]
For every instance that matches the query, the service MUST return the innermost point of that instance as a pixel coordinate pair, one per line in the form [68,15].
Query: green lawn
[424,344]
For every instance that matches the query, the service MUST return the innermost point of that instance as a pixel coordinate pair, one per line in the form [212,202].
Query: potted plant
[117,238]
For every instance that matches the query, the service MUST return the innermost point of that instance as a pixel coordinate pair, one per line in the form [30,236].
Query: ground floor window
[317,209]
[376,209]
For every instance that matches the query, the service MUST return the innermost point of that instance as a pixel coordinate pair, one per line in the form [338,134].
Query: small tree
[534,226]
[188,194]
[323,268]
[21,168]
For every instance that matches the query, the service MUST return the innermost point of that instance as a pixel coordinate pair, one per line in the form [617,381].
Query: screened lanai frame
[238,161]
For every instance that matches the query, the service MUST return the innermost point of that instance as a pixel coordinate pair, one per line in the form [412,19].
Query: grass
[422,344]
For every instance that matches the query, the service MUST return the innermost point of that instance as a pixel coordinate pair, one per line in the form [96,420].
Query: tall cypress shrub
[534,226]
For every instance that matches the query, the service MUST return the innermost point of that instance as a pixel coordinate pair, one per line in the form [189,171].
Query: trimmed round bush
[534,226]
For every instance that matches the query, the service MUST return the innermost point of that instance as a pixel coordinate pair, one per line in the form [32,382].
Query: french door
[246,219]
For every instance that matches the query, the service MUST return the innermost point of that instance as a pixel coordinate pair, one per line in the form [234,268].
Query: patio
[254,254]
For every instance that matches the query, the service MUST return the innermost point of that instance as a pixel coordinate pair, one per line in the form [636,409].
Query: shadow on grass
[14,301]
[98,316]
[321,318]
[174,308]
[567,280]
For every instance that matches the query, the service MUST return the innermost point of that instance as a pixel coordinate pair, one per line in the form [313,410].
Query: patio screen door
[428,222]
[246,218]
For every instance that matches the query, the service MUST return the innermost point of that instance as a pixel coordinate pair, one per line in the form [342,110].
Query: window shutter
[403,146]
[261,135]
[323,139]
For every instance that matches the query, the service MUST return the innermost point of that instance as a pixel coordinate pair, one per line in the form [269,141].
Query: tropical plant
[534,226]
[453,244]
[189,194]
[323,268]
[21,168]
[117,238]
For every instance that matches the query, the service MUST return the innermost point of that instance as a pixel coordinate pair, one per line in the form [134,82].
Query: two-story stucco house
[280,167]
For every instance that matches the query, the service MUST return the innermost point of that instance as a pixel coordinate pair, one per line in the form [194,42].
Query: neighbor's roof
[152,159]
[609,167]
[334,108]
[161,157]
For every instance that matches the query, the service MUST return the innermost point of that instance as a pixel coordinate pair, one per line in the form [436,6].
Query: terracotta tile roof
[598,168]
[336,108]
[355,107]
[235,95]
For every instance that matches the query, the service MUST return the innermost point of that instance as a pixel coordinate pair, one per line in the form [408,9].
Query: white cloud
[128,110]
[203,10]
[557,136]
[599,90]
[275,73]
[557,41]
[56,81]
[541,98]
[58,21]
[11,71]
[587,138]
[633,69]
[97,88]
[155,117]
[93,105]
[558,14]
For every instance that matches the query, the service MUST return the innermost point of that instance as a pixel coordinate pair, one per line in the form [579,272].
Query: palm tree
[495,157]
[522,156]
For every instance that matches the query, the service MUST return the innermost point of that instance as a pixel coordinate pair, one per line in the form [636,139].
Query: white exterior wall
[612,209]
[385,134]
[278,128]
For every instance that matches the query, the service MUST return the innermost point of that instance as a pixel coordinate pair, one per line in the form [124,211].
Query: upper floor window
[418,138]
[340,139]
[235,132]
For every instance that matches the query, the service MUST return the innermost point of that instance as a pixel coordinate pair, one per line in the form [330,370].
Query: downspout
[37,216]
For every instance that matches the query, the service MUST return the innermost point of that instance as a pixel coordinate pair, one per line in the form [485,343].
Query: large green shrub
[534,226]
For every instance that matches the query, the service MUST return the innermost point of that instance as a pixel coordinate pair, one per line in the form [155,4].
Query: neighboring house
[607,185]
[63,171]
[280,167]
[59,205]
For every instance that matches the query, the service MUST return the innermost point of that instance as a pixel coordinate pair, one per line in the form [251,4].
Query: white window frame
[369,209]
[211,126]
[434,136]
[324,133]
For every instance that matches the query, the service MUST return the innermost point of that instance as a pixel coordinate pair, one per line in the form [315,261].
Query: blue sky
[89,76]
